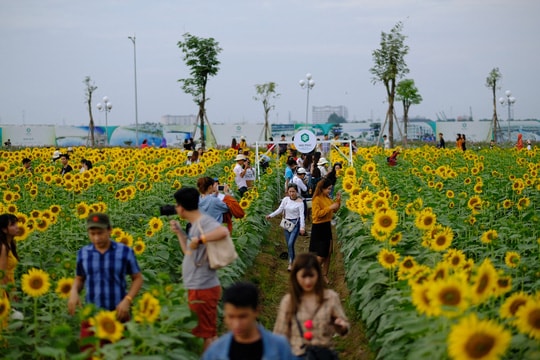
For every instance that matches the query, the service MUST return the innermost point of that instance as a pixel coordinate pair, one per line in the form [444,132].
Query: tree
[491,82]
[88,91]
[390,65]
[407,93]
[266,93]
[336,119]
[200,55]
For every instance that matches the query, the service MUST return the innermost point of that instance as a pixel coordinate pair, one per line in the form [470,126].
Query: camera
[221,187]
[167,210]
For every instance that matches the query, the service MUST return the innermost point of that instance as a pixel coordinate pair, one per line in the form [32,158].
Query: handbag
[287,225]
[221,252]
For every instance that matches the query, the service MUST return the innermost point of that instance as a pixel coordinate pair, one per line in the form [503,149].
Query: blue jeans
[290,238]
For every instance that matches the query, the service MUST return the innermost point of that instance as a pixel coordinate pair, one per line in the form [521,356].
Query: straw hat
[240,157]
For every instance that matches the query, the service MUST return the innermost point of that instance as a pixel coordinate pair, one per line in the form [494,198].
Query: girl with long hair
[322,210]
[9,228]
[309,315]
[292,207]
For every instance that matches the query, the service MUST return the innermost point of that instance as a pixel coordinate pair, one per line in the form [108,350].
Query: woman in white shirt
[292,208]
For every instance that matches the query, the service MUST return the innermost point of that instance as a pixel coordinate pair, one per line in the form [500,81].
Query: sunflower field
[130,185]
[442,252]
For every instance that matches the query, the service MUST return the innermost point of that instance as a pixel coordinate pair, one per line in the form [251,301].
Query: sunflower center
[390,258]
[479,345]
[516,304]
[441,240]
[533,319]
[451,297]
[482,284]
[65,289]
[108,325]
[456,260]
[36,283]
[385,221]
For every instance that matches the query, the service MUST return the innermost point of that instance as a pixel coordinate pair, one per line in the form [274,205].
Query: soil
[270,273]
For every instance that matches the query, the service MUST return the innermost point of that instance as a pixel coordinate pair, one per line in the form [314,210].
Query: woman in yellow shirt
[322,210]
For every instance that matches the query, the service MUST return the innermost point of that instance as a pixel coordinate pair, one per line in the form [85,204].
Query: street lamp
[106,107]
[508,101]
[132,38]
[309,84]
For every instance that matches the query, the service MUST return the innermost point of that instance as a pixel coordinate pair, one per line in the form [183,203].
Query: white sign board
[305,141]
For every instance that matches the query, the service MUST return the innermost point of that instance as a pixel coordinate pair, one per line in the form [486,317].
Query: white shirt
[291,210]
[324,172]
[299,183]
[387,144]
[238,179]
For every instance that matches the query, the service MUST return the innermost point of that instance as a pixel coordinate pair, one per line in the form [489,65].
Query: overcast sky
[49,47]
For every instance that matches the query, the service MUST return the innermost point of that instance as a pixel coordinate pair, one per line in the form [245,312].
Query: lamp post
[508,101]
[106,107]
[309,84]
[132,38]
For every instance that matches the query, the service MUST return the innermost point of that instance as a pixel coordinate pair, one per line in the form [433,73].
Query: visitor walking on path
[202,282]
[102,268]
[322,210]
[309,315]
[292,208]
[246,339]
[209,202]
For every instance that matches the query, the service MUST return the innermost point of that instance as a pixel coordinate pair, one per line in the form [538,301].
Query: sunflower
[450,295]
[155,224]
[485,282]
[63,288]
[455,258]
[421,300]
[106,326]
[442,239]
[244,203]
[504,285]
[528,319]
[35,283]
[147,309]
[125,239]
[450,194]
[512,304]
[441,271]
[388,259]
[385,221]
[512,259]
[474,339]
[5,308]
[406,266]
[475,203]
[425,220]
[138,247]
[82,210]
[507,204]
[489,236]
[523,203]
[395,239]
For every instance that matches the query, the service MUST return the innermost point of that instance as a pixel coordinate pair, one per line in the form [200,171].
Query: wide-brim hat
[240,157]
[322,161]
[56,154]
[301,171]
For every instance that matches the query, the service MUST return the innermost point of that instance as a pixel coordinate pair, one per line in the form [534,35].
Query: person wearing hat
[300,179]
[189,156]
[102,267]
[56,155]
[240,174]
[322,164]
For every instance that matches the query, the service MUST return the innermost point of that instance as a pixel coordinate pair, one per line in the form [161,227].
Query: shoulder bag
[221,252]
[287,225]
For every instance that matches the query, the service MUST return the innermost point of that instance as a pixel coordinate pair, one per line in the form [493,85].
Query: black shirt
[252,351]
[66,169]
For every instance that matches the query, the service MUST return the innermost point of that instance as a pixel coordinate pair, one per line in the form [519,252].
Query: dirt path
[270,273]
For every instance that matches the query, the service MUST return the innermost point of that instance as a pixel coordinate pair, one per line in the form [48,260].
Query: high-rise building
[322,113]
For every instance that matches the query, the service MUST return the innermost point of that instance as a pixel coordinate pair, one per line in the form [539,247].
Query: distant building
[322,113]
[178,119]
